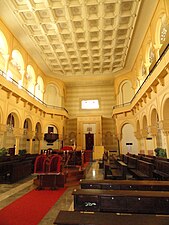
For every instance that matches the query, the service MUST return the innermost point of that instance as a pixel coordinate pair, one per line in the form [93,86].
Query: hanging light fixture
[10,123]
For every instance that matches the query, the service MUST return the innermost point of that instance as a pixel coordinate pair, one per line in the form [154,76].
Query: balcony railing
[11,80]
[140,88]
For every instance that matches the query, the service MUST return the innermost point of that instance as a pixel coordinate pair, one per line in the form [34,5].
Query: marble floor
[11,192]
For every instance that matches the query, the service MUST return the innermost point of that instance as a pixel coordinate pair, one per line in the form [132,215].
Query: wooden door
[89,141]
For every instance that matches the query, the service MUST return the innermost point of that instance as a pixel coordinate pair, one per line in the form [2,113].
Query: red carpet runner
[31,208]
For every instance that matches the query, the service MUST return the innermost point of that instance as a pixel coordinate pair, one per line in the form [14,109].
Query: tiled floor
[10,192]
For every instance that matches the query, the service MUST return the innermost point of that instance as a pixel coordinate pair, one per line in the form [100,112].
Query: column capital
[18,132]
[144,133]
[153,130]
[31,134]
[39,136]
[164,125]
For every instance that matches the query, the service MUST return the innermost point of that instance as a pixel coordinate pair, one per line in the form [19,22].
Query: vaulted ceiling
[81,40]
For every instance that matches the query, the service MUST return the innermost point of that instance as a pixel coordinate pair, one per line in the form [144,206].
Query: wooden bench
[144,170]
[146,185]
[15,170]
[121,201]
[115,171]
[147,159]
[99,218]
[161,171]
[130,161]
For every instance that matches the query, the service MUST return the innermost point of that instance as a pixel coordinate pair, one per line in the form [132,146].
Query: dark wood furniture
[161,171]
[13,171]
[50,180]
[146,185]
[130,161]
[117,170]
[143,170]
[89,138]
[99,218]
[121,201]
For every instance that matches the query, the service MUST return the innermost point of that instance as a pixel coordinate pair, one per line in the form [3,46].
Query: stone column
[17,132]
[138,137]
[144,133]
[40,136]
[164,126]
[166,133]
[153,132]
[2,132]
[31,135]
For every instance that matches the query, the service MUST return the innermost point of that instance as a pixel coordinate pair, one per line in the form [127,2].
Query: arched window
[164,33]
[30,77]
[143,70]
[164,30]
[3,44]
[18,64]
[151,56]
[3,51]
[39,88]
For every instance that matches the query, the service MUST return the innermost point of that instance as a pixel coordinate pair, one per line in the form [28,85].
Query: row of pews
[141,167]
[15,168]
[118,202]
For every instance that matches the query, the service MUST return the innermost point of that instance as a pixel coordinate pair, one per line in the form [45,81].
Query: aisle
[10,192]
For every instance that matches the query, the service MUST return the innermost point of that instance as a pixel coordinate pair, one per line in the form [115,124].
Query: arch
[3,52]
[163,29]
[54,126]
[39,89]
[129,141]
[18,63]
[30,77]
[126,92]
[165,109]
[17,118]
[154,117]
[144,122]
[3,44]
[27,126]
[52,96]
[38,128]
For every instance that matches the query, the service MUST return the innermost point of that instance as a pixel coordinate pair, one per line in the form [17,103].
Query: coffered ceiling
[79,39]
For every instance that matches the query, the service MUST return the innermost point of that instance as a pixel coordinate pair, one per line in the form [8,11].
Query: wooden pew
[146,185]
[161,171]
[99,218]
[147,159]
[130,161]
[121,201]
[14,170]
[144,170]
[115,171]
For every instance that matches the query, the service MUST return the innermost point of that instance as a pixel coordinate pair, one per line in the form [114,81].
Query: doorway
[89,139]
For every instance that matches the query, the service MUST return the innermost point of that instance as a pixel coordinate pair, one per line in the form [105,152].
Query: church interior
[84,97]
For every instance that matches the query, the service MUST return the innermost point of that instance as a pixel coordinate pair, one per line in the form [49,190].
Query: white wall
[129,137]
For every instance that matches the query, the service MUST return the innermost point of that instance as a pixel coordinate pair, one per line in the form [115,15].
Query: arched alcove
[129,141]
[30,79]
[3,51]
[51,95]
[126,92]
[39,89]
